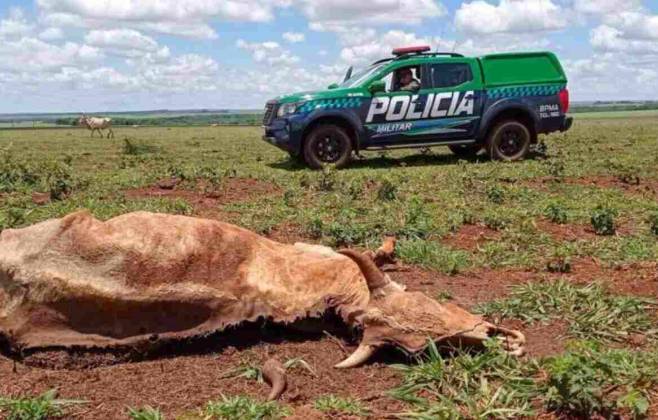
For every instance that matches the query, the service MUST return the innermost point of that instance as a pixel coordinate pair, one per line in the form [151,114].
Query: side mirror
[348,75]
[333,86]
[377,86]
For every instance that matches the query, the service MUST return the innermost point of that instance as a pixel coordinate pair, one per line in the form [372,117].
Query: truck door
[455,89]
[390,117]
[446,107]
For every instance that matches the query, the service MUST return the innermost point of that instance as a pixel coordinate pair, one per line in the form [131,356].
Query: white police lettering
[549,111]
[408,107]
[395,112]
[378,106]
[412,114]
[393,127]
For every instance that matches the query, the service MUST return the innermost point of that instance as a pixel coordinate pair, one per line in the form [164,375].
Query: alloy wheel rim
[511,142]
[328,149]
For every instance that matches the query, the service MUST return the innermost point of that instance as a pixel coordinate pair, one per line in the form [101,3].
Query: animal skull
[79,282]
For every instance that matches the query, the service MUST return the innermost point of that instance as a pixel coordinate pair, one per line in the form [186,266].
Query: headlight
[287,109]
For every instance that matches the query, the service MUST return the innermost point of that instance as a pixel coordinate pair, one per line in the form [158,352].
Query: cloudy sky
[99,55]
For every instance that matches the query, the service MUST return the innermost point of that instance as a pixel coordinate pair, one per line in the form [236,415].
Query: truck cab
[497,103]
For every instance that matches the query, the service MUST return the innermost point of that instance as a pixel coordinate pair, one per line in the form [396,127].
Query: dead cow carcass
[80,282]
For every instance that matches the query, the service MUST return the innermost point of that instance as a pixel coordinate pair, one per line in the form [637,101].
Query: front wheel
[326,146]
[509,141]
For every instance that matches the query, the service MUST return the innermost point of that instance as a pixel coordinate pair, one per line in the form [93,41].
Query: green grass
[646,113]
[590,311]
[333,405]
[43,407]
[490,384]
[586,381]
[433,255]
[145,413]
[590,379]
[244,408]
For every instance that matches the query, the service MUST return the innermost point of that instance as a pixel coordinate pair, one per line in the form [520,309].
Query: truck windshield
[360,76]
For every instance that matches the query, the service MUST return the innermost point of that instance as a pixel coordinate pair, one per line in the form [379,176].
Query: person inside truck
[406,80]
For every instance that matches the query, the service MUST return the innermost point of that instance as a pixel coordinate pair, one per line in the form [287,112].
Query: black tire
[509,141]
[328,145]
[465,150]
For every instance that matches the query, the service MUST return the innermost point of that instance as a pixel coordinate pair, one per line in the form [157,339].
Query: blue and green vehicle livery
[496,103]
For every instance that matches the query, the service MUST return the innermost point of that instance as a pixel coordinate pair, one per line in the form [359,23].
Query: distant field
[651,113]
[563,246]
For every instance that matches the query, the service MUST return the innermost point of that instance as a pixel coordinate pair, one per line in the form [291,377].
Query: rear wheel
[328,145]
[509,141]
[465,150]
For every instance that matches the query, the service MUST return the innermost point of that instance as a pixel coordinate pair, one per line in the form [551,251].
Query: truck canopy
[521,69]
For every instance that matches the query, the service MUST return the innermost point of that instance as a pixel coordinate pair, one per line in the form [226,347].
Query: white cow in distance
[97,124]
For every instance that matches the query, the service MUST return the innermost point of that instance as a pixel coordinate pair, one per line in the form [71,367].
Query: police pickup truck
[498,103]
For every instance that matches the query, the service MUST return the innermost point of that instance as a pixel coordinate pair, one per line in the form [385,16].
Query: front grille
[270,112]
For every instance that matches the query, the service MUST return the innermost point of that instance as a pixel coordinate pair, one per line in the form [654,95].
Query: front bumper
[566,124]
[278,134]
[286,133]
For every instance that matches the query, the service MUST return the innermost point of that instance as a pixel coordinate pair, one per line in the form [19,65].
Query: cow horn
[275,374]
[359,357]
[375,278]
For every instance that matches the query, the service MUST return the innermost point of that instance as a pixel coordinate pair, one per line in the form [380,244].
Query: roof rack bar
[412,55]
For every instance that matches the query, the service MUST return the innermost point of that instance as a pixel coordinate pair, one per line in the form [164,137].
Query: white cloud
[372,46]
[269,52]
[187,18]
[598,76]
[375,46]
[162,10]
[195,30]
[329,14]
[294,37]
[121,39]
[635,25]
[174,75]
[15,26]
[51,34]
[604,7]
[34,55]
[606,38]
[628,32]
[510,16]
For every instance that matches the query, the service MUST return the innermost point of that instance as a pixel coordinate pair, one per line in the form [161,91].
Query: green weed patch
[333,405]
[241,407]
[586,381]
[433,255]
[590,311]
[589,379]
[45,406]
[490,384]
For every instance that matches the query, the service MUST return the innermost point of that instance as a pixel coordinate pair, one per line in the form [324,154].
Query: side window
[395,81]
[445,75]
